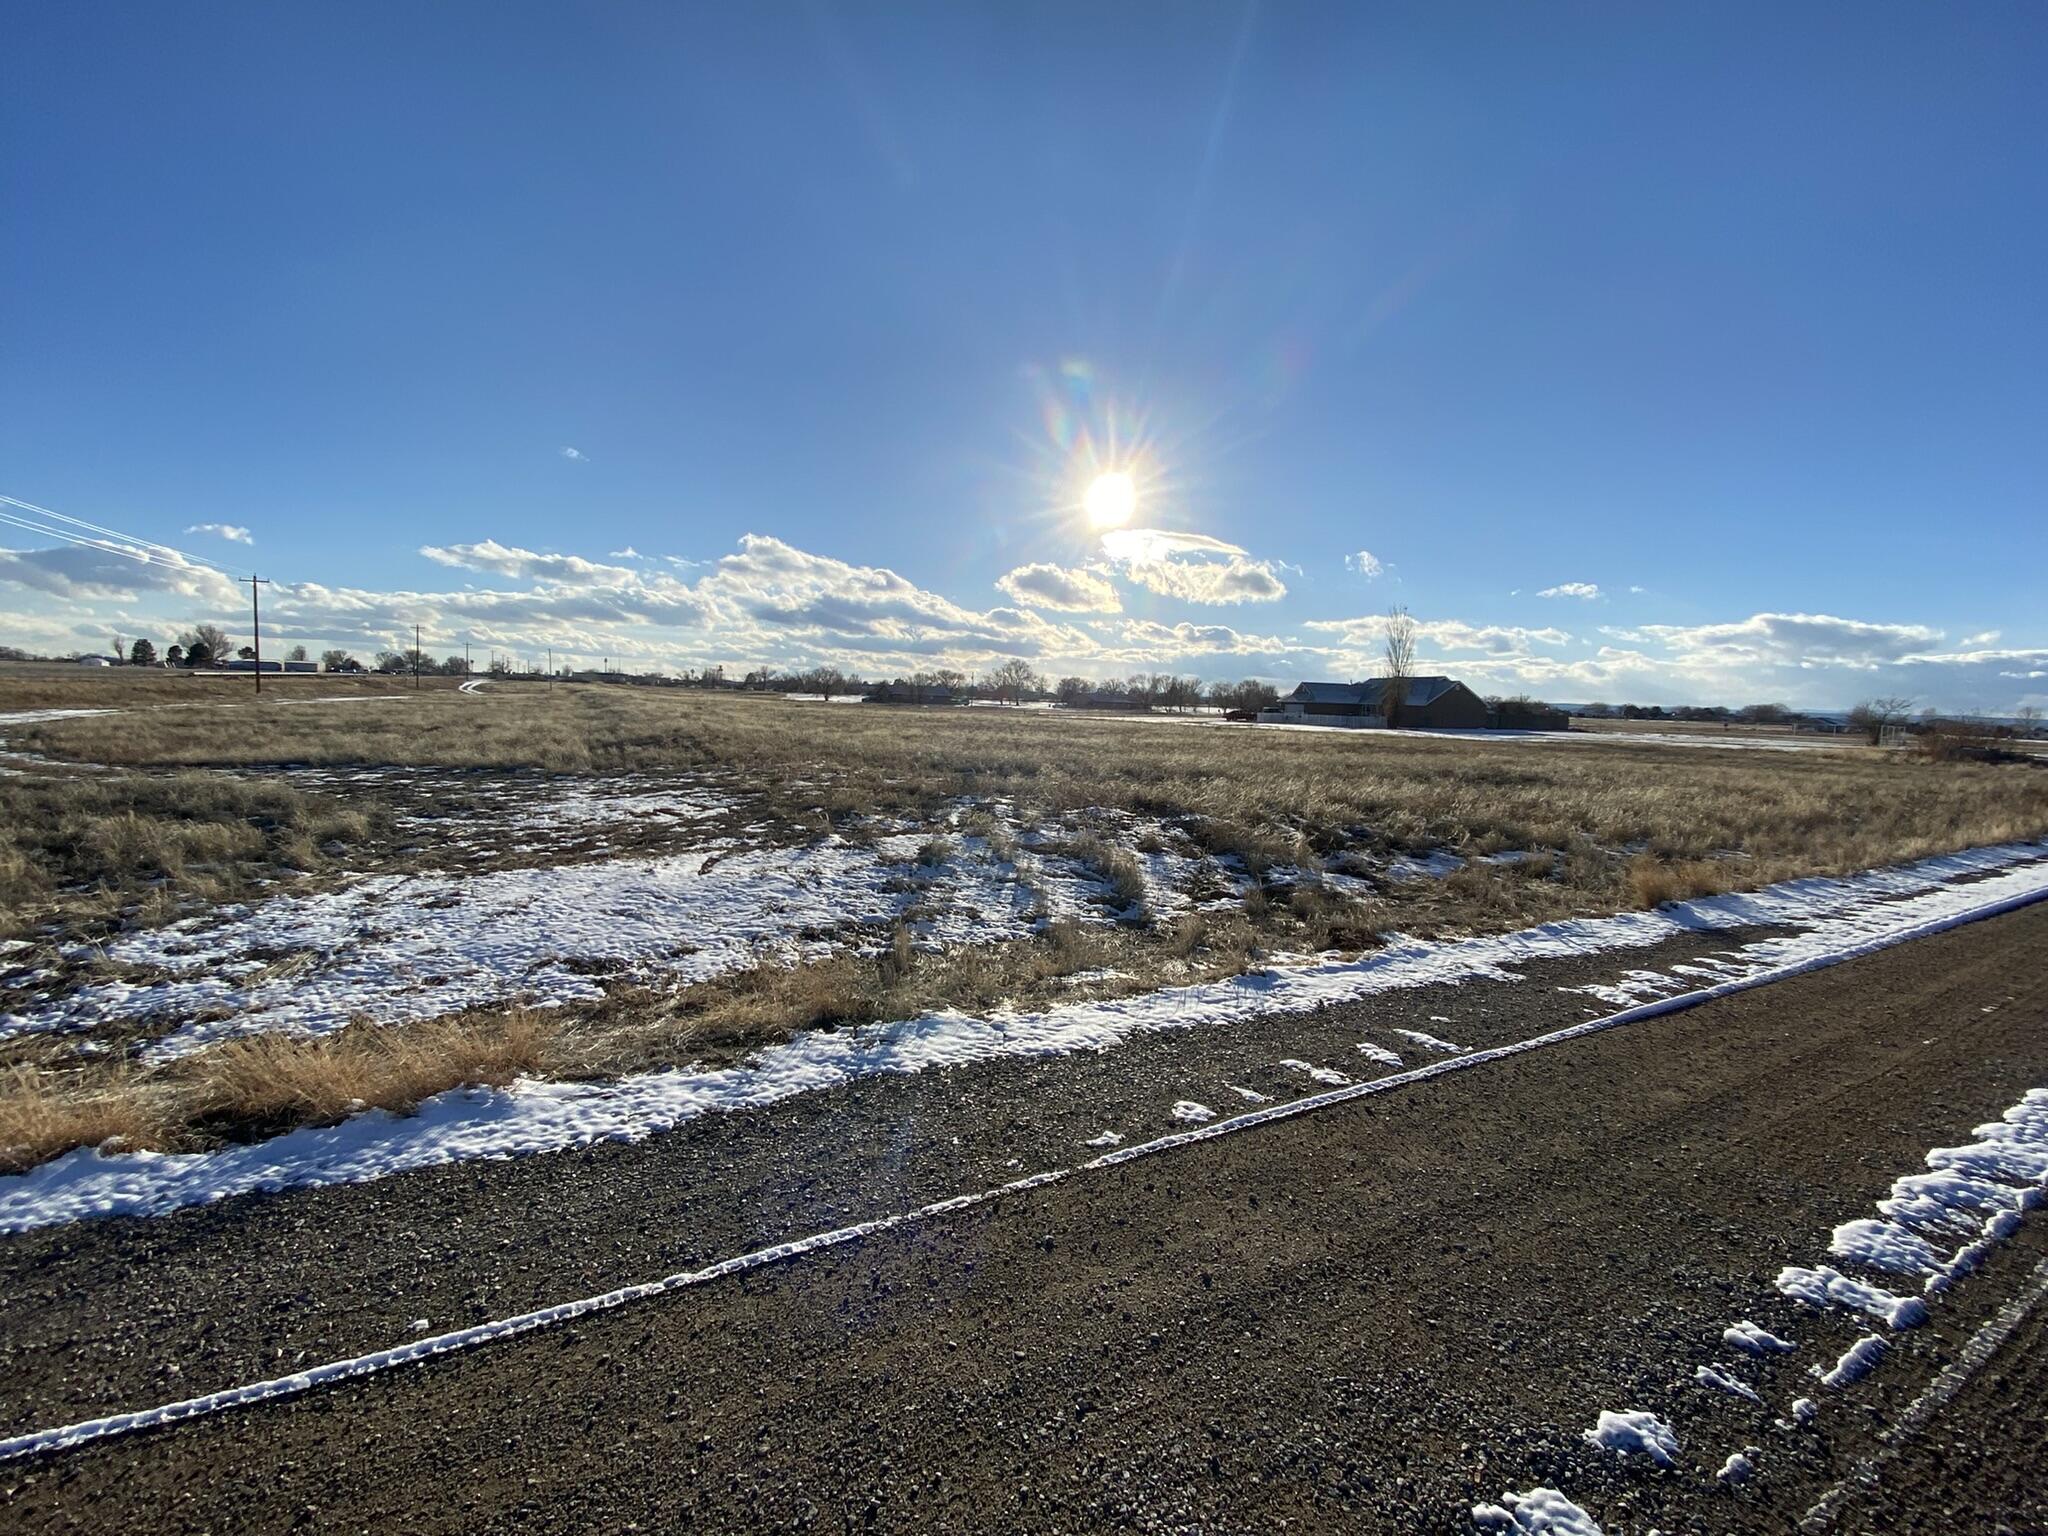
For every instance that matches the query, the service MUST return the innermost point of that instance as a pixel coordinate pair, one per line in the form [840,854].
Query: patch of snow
[1328,1075]
[1721,1381]
[1753,1339]
[1639,1433]
[31,716]
[1106,1139]
[1431,866]
[1738,1467]
[1883,1245]
[1188,1109]
[1843,918]
[1538,1512]
[1378,1053]
[1823,1286]
[1430,1042]
[1857,1361]
[1251,1095]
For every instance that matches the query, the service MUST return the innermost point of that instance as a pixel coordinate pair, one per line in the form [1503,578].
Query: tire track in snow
[85,1432]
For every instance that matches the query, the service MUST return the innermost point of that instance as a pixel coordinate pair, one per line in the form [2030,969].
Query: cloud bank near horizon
[769,603]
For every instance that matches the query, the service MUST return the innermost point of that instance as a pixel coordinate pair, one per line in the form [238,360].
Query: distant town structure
[1430,703]
[900,692]
[245,664]
[1105,698]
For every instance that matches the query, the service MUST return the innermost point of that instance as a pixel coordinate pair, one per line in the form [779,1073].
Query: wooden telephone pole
[415,658]
[256,626]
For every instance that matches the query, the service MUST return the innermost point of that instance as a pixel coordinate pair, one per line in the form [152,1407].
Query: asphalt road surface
[1365,1318]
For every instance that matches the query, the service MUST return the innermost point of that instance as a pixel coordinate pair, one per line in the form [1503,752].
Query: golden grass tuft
[45,1114]
[269,1083]
[1653,882]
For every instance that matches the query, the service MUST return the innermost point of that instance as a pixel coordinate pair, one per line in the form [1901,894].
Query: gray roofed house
[1439,703]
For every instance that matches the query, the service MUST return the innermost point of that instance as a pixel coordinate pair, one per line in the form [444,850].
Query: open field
[230,922]
[65,685]
[351,1032]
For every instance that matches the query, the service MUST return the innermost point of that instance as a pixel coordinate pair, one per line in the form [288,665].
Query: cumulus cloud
[1192,567]
[1795,640]
[1445,634]
[1060,588]
[1148,637]
[770,603]
[577,454]
[1584,590]
[1366,563]
[234,533]
[507,560]
[99,571]
[628,553]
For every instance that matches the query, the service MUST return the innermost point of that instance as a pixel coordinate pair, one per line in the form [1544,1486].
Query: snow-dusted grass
[1834,918]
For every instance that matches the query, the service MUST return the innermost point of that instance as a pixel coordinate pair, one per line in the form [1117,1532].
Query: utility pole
[415,658]
[256,626]
[551,661]
[465,658]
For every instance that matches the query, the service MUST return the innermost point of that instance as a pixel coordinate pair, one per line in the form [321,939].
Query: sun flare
[1111,499]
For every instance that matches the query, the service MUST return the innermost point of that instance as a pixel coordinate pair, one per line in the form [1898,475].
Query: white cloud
[1192,566]
[506,560]
[1638,589]
[576,454]
[1584,590]
[1978,641]
[1146,637]
[1795,640]
[628,553]
[1059,588]
[234,533]
[1366,563]
[1445,634]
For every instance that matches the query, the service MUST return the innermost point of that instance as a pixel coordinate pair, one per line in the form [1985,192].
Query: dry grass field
[124,820]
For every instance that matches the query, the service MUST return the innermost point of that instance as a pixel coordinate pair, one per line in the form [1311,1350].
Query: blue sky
[1680,354]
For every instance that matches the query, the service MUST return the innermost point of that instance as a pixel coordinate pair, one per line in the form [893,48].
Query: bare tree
[334,661]
[1014,678]
[1873,716]
[296,653]
[1398,657]
[212,636]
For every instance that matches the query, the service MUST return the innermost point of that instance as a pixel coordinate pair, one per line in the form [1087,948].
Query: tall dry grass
[267,1084]
[82,847]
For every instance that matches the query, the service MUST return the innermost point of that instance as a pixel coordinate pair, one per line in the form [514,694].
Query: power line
[109,540]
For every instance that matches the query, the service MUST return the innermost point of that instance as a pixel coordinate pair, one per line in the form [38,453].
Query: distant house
[95,661]
[1429,703]
[908,693]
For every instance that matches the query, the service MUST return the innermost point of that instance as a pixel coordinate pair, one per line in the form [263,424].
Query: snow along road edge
[87,1431]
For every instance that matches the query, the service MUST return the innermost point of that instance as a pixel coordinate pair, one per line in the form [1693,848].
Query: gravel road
[1365,1318]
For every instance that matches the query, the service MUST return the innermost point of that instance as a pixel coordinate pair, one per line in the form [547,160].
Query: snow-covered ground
[1830,919]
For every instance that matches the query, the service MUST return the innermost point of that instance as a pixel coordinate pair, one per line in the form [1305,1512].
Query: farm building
[1102,698]
[1432,703]
[900,692]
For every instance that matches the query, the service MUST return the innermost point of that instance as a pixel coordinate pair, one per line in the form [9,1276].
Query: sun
[1111,499]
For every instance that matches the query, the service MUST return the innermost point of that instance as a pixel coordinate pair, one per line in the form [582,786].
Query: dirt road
[1365,1318]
